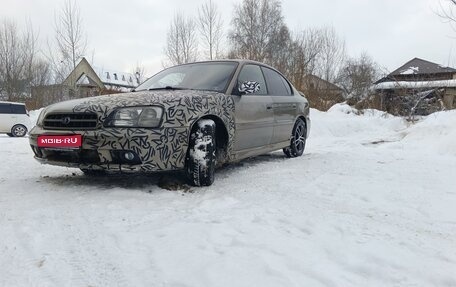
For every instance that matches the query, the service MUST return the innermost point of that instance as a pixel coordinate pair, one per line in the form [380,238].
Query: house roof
[84,74]
[418,66]
[326,84]
[115,78]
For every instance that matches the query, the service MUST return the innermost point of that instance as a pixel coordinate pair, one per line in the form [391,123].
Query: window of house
[115,76]
[107,76]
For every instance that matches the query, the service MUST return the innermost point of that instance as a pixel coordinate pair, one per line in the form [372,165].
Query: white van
[14,119]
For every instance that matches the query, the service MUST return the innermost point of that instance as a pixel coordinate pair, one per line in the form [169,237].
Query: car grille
[71,121]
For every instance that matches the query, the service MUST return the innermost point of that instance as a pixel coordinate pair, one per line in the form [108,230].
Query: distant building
[418,87]
[84,81]
[322,94]
[84,75]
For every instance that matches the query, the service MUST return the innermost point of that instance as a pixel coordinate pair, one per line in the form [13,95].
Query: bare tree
[278,51]
[303,55]
[139,72]
[181,45]
[447,11]
[17,56]
[332,54]
[358,75]
[255,26]
[210,26]
[70,40]
[41,73]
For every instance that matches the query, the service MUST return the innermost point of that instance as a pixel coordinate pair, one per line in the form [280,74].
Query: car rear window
[277,85]
[18,109]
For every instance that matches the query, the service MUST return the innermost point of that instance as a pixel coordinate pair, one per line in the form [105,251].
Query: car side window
[252,73]
[287,86]
[5,109]
[277,85]
[18,109]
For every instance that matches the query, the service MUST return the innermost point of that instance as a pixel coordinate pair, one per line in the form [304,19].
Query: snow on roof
[410,71]
[114,78]
[415,85]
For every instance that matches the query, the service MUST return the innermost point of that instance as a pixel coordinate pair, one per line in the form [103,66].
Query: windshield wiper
[167,88]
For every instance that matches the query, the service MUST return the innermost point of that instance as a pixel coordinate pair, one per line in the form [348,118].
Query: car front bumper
[104,149]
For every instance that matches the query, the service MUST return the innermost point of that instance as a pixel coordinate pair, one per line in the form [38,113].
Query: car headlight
[141,117]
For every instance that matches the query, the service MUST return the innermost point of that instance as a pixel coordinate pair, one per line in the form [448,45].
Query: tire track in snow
[91,263]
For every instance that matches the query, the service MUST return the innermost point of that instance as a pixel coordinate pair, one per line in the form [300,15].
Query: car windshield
[209,76]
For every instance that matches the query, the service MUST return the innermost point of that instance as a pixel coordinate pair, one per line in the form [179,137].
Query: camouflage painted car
[190,117]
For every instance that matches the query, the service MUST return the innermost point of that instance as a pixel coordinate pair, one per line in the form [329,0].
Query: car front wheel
[201,158]
[297,141]
[18,131]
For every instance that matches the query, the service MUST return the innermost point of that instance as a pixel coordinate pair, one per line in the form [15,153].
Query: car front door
[253,111]
[284,105]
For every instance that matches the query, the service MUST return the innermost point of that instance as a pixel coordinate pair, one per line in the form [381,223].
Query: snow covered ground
[371,203]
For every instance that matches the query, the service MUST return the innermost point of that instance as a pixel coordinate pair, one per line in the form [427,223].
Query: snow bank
[34,115]
[343,121]
[434,133]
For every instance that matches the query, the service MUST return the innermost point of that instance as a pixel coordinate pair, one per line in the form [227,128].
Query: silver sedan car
[190,117]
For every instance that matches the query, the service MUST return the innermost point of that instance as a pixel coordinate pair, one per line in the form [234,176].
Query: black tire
[9,134]
[201,158]
[93,172]
[18,131]
[297,141]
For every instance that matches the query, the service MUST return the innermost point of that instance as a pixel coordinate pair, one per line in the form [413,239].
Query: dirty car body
[150,129]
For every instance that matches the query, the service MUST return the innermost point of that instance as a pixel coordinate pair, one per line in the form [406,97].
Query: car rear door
[253,112]
[20,115]
[5,118]
[284,105]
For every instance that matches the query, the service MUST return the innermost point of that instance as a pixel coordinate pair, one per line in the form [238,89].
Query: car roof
[14,103]
[240,61]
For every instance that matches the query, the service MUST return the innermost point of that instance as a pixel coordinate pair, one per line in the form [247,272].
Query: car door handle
[268,107]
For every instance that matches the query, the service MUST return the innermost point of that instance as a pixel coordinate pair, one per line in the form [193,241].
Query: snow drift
[371,203]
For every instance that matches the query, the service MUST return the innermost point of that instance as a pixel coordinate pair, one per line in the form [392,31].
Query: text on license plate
[67,141]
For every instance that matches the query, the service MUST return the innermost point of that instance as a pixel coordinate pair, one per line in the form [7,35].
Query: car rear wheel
[297,141]
[18,131]
[201,158]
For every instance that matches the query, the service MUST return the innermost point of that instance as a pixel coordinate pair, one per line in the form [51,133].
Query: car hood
[104,105]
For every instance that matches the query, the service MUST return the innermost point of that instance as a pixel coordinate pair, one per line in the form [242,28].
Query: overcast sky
[124,32]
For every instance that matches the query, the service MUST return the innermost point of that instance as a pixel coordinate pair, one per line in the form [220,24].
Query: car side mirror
[249,87]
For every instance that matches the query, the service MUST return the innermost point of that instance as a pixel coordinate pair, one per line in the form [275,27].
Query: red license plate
[67,141]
